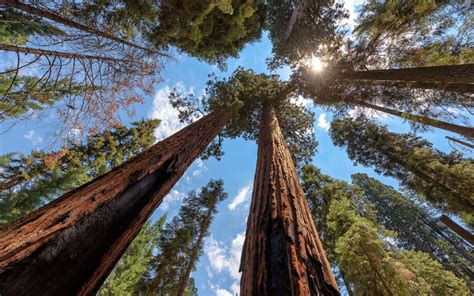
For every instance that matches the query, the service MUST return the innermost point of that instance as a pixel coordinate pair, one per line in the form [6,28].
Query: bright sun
[316,64]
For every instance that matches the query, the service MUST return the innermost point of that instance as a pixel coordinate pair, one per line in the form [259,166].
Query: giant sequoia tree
[443,179]
[102,217]
[288,260]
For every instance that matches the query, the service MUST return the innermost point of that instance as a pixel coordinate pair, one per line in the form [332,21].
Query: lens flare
[316,64]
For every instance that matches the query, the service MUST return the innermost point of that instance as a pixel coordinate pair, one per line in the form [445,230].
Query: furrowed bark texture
[282,253]
[69,246]
[440,74]
[458,229]
[451,127]
[67,22]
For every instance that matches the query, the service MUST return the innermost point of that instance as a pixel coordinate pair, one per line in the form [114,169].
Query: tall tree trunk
[453,87]
[67,22]
[460,142]
[458,229]
[184,278]
[438,74]
[29,50]
[297,12]
[458,129]
[282,253]
[70,245]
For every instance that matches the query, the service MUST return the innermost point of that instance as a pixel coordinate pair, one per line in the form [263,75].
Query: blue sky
[217,269]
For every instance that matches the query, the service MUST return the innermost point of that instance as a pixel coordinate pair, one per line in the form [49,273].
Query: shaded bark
[435,74]
[70,245]
[29,50]
[458,129]
[460,142]
[458,229]
[67,22]
[282,253]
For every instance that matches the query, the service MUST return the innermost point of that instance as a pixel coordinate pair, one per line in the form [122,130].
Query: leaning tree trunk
[468,145]
[451,87]
[438,74]
[458,129]
[70,245]
[61,54]
[282,253]
[458,229]
[67,22]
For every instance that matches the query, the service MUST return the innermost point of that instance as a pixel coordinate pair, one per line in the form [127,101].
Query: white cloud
[223,292]
[35,140]
[172,197]
[235,288]
[225,258]
[322,122]
[163,110]
[243,195]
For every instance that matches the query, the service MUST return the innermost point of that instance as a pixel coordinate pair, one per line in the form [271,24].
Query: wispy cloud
[243,195]
[173,197]
[222,292]
[163,110]
[322,122]
[223,257]
[35,139]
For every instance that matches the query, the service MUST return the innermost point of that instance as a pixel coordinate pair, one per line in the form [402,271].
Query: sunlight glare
[316,64]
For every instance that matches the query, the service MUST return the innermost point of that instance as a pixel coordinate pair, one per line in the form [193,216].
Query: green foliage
[431,278]
[417,229]
[445,180]
[210,30]
[26,94]
[181,242]
[245,93]
[414,33]
[133,264]
[16,28]
[363,250]
[42,176]
[127,18]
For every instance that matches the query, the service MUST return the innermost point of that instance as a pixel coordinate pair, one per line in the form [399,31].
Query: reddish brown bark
[67,22]
[438,74]
[458,229]
[62,54]
[455,128]
[282,253]
[70,245]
